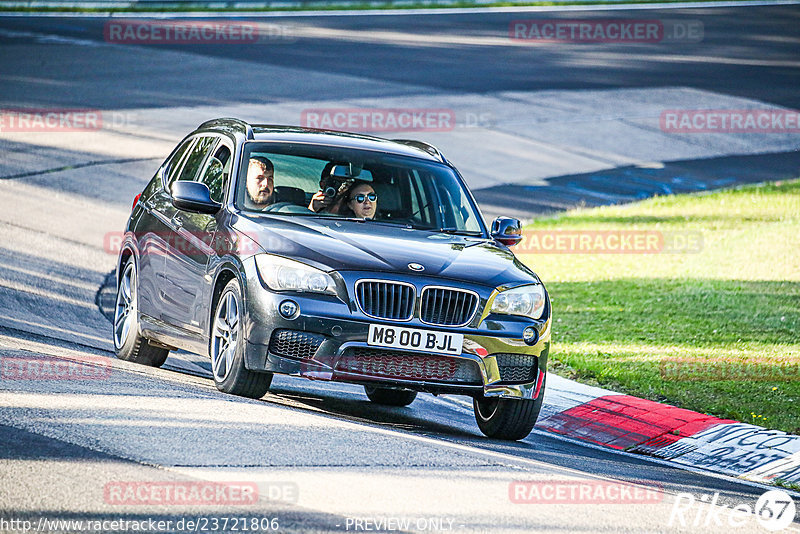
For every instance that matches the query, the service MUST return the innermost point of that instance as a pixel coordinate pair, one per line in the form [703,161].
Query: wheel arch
[126,252]
[225,274]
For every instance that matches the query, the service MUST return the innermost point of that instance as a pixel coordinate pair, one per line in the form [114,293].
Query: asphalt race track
[577,123]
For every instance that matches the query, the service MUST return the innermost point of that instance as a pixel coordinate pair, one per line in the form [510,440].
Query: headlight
[525,300]
[282,274]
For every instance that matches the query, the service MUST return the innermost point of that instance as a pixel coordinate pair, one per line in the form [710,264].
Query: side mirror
[507,231]
[194,197]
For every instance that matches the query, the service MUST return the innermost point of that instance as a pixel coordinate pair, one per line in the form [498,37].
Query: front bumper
[339,333]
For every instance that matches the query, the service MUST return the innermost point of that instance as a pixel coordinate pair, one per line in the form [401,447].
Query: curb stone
[640,426]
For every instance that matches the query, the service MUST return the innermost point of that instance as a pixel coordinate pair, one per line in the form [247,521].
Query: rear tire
[511,419]
[390,397]
[227,349]
[129,344]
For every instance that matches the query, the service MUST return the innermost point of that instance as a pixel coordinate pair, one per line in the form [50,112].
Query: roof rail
[430,149]
[235,123]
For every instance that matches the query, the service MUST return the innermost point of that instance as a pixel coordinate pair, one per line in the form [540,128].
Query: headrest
[388,196]
[285,193]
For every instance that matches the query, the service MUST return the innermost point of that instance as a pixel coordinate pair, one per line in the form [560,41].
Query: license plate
[398,337]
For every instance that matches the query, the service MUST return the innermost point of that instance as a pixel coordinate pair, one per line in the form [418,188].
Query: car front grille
[447,307]
[295,344]
[517,367]
[386,300]
[408,366]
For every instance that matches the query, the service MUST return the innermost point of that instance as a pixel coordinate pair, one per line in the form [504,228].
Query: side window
[195,158]
[173,166]
[216,172]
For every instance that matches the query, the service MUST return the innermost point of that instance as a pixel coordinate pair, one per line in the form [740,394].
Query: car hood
[341,245]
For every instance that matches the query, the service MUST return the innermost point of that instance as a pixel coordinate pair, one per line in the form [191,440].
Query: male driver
[260,183]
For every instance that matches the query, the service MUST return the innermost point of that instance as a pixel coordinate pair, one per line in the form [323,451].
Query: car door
[189,249]
[203,229]
[152,232]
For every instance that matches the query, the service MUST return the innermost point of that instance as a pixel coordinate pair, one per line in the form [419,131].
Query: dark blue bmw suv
[332,256]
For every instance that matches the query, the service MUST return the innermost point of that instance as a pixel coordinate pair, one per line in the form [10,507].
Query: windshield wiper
[456,231]
[352,219]
[451,231]
[395,223]
[386,223]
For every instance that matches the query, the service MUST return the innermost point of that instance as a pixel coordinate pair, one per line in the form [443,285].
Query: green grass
[312,5]
[733,306]
[788,485]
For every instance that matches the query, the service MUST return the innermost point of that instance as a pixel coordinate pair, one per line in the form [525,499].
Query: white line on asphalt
[422,40]
[48,38]
[390,12]
[448,40]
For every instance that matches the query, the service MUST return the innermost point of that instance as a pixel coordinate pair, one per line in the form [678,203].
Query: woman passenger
[359,200]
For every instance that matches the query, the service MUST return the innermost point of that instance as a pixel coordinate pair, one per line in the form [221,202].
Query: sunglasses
[361,197]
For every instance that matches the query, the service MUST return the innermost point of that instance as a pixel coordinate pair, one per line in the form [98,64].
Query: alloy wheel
[225,337]
[125,309]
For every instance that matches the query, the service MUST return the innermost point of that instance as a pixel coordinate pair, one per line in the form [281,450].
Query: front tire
[227,349]
[129,344]
[390,397]
[510,419]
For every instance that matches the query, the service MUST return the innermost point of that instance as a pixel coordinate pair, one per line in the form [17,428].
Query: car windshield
[400,190]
